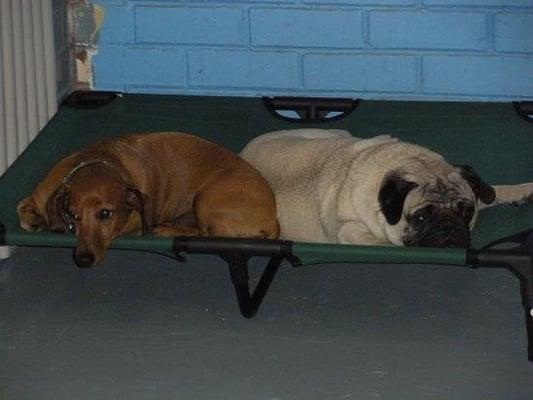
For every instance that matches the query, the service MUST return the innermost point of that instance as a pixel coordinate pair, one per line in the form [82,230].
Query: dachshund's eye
[105,214]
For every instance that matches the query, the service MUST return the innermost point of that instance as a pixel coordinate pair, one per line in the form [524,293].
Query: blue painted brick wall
[306,28]
[371,49]
[428,30]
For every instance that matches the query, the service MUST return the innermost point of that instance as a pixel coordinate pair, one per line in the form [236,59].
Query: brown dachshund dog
[168,184]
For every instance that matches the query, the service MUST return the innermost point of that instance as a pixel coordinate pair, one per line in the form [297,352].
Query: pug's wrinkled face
[443,217]
[436,211]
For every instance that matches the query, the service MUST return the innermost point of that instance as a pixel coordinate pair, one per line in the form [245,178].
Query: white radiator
[28,93]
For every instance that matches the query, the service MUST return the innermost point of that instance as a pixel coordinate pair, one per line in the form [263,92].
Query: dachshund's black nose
[84,259]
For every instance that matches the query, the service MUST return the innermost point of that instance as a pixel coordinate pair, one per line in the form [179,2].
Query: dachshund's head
[97,206]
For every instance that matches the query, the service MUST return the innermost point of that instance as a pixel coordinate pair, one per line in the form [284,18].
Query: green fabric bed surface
[488,136]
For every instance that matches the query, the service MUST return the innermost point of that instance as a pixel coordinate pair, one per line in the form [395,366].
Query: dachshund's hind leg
[238,206]
[184,225]
[170,230]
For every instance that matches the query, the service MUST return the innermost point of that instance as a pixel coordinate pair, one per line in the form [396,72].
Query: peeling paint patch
[84,70]
[87,21]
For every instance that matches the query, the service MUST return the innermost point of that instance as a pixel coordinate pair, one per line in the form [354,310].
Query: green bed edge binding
[298,253]
[318,253]
[46,239]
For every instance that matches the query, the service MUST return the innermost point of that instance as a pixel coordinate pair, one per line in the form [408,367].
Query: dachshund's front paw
[30,219]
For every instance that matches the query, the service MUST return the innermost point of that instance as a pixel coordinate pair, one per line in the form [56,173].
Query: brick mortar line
[491,31]
[247,28]
[419,87]
[306,50]
[421,7]
[301,71]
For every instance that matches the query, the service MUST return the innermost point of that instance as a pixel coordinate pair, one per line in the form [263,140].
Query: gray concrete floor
[142,326]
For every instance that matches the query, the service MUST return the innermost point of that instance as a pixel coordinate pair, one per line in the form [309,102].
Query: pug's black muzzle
[446,230]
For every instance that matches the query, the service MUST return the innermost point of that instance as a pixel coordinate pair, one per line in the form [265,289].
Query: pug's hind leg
[353,233]
[511,194]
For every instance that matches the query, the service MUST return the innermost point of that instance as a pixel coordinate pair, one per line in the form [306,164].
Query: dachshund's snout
[84,259]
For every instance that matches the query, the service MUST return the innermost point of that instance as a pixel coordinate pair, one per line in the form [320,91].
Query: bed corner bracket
[236,253]
[519,260]
[238,266]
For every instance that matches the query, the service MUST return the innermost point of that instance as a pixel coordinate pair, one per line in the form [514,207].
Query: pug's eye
[104,214]
[419,218]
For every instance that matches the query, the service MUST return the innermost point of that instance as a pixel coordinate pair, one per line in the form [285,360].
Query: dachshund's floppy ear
[481,189]
[392,194]
[140,203]
[56,209]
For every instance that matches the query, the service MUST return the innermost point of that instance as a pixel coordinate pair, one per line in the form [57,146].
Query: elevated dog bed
[489,136]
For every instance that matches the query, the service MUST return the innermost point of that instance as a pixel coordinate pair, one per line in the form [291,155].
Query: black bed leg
[529,327]
[238,266]
[526,290]
[520,263]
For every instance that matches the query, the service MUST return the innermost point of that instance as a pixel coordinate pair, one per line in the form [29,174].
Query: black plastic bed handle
[524,109]
[89,99]
[220,246]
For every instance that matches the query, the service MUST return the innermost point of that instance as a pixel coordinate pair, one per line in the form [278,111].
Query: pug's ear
[392,194]
[140,203]
[481,189]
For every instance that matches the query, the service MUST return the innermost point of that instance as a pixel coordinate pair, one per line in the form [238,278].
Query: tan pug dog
[335,188]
